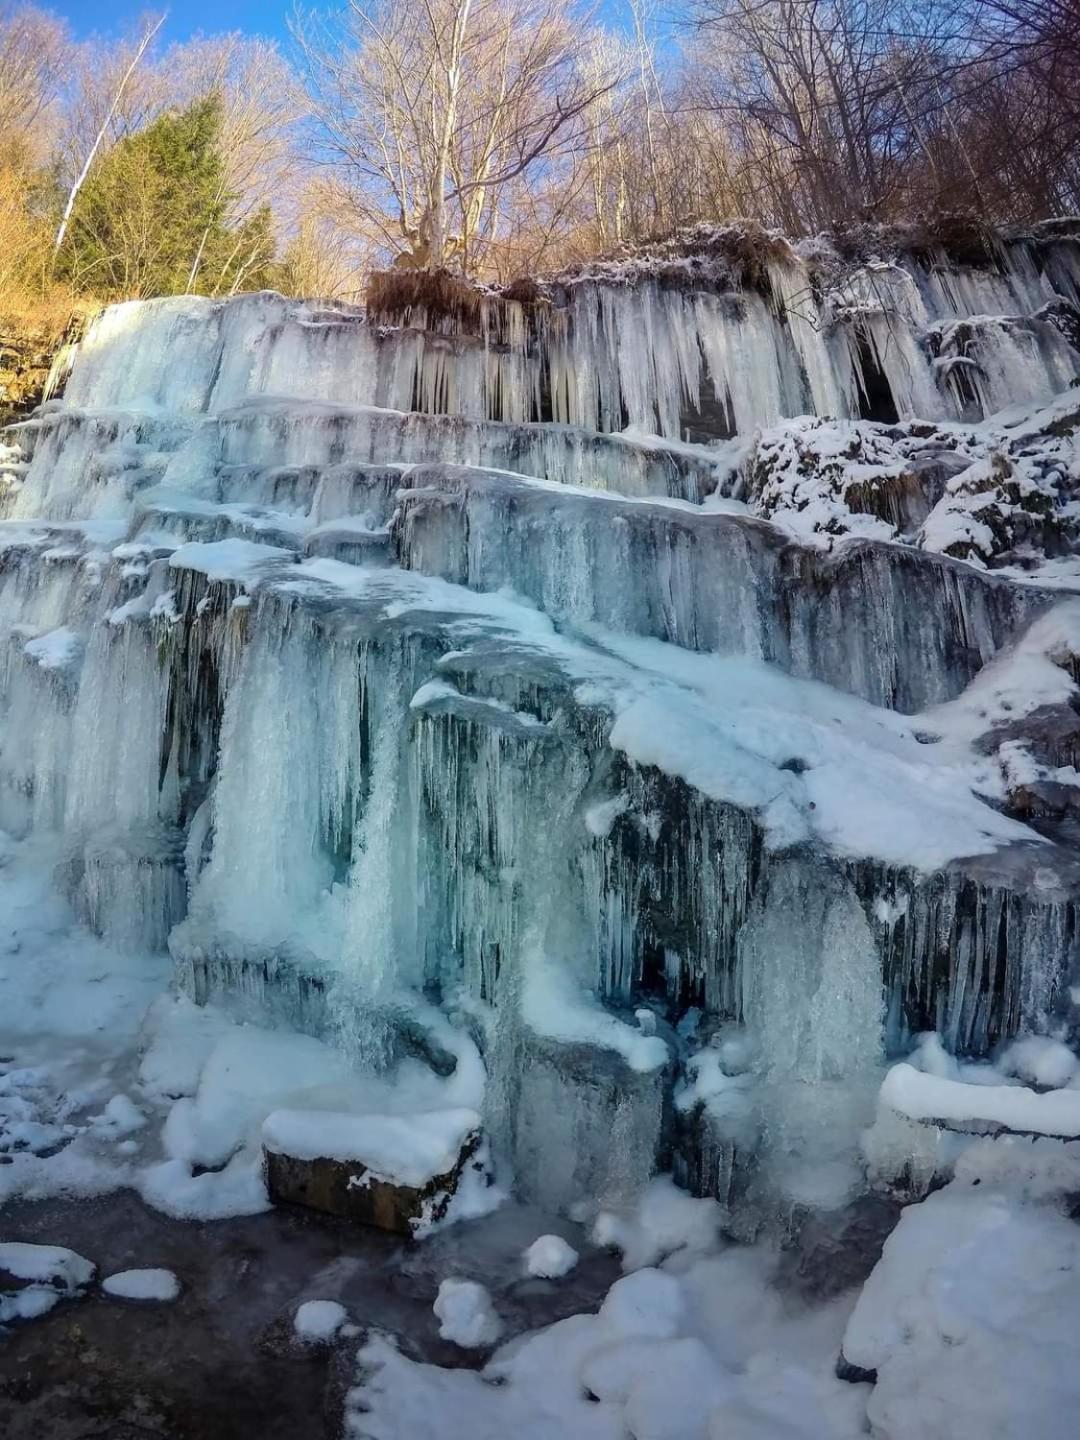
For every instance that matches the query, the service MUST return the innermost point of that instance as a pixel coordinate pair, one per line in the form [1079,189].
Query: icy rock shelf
[367,667]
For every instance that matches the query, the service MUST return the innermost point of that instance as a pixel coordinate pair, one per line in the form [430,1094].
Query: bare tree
[432,110]
[261,105]
[35,55]
[80,179]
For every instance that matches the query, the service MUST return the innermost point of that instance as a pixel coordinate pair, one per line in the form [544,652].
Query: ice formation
[665,693]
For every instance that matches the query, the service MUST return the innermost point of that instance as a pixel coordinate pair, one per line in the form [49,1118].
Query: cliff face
[34,362]
[670,657]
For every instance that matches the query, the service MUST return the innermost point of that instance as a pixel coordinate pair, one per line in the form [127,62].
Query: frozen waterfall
[406,682]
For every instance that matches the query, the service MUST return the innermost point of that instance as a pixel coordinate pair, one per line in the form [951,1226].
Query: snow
[717,1078]
[142,1285]
[46,1264]
[173,1188]
[969,1319]
[243,562]
[466,1315]
[409,1150]
[248,1073]
[1040,1060]
[1025,677]
[599,818]
[712,1351]
[555,1006]
[732,728]
[550,1257]
[120,1118]
[55,650]
[647,1303]
[920,1096]
[318,1321]
[666,1221]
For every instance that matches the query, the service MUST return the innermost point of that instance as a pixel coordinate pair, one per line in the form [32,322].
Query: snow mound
[550,1257]
[466,1315]
[648,1303]
[1040,1060]
[318,1321]
[667,1221]
[969,1320]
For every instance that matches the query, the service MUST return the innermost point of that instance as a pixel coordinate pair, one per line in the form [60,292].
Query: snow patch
[150,1284]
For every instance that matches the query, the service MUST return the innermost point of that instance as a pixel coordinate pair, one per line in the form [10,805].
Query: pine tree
[152,216]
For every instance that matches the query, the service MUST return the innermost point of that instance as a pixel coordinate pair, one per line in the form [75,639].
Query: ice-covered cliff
[667,673]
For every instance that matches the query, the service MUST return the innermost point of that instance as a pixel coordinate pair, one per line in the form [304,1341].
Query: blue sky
[88,17]
[186,17]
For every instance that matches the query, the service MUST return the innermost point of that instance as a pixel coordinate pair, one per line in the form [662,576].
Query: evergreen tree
[152,218]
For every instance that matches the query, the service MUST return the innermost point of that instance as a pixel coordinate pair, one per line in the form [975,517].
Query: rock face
[34,365]
[381,668]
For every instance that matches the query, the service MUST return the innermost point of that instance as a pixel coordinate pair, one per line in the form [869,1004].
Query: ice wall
[663,350]
[372,668]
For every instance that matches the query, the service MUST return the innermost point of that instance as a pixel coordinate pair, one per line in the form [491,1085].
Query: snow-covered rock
[35,1278]
[396,1172]
[968,1321]
[150,1284]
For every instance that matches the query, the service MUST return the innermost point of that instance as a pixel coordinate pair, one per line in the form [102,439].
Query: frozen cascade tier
[711,336]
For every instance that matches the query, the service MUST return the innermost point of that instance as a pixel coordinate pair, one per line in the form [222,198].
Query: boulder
[395,1173]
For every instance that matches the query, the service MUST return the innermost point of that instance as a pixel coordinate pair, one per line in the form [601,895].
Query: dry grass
[733,255]
[448,304]
[432,299]
[37,315]
[963,239]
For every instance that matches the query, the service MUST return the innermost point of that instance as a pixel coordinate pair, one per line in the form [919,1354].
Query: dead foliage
[431,299]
